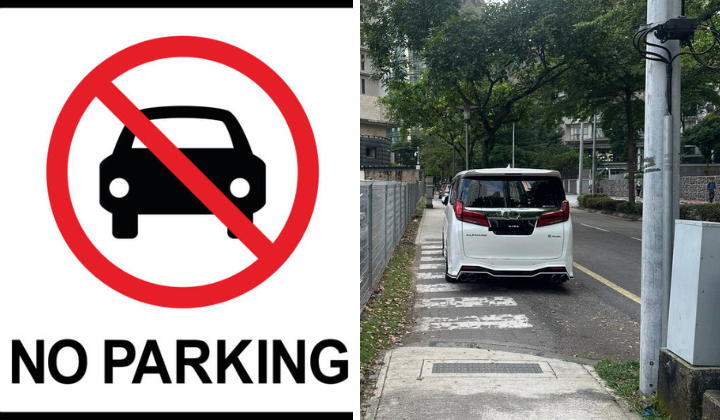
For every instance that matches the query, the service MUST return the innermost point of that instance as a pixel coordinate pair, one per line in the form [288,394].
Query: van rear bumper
[513,268]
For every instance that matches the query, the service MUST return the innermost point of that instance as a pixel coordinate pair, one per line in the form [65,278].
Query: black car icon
[146,186]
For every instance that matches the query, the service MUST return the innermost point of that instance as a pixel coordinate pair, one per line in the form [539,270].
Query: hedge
[702,212]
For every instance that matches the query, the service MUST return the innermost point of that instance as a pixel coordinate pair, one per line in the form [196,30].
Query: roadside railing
[385,210]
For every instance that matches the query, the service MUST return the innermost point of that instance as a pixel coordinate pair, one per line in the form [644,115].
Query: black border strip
[179,415]
[257,4]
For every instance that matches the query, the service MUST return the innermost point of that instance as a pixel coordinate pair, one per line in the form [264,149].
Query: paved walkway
[447,383]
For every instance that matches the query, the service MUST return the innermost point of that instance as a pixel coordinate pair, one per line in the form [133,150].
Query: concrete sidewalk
[448,383]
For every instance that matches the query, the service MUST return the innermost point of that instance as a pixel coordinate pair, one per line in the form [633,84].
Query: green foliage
[405,152]
[387,316]
[603,202]
[390,27]
[706,136]
[497,57]
[536,146]
[703,212]
[623,377]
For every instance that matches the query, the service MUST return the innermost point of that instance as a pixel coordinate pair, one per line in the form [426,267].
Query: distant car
[507,223]
[148,187]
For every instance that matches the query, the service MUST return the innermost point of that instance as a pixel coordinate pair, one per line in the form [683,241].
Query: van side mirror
[445,200]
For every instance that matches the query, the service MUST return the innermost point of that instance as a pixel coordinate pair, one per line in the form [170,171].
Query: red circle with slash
[99,84]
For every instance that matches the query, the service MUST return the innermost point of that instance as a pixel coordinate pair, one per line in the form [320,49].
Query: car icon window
[133,181]
[191,133]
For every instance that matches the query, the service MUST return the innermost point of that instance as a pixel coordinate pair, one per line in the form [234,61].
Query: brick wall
[692,187]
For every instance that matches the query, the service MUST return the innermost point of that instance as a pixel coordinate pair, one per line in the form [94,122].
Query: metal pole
[453,163]
[657,241]
[467,149]
[513,147]
[594,128]
[580,165]
[668,222]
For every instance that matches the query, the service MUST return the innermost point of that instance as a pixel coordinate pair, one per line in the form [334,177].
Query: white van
[507,223]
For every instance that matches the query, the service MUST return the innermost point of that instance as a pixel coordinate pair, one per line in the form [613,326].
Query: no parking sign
[220,286]
[99,84]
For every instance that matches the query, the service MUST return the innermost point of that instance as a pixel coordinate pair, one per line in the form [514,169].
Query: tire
[124,226]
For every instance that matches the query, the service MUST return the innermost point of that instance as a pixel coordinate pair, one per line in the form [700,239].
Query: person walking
[638,188]
[711,190]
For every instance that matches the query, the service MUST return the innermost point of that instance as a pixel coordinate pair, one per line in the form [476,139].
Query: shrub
[703,212]
[603,202]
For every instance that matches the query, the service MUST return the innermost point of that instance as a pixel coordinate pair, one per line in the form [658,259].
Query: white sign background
[46,293]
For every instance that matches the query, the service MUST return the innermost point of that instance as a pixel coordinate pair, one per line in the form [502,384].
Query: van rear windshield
[513,192]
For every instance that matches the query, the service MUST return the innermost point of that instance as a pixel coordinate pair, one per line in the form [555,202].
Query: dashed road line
[465,302]
[595,227]
[429,276]
[428,259]
[449,287]
[637,239]
[472,322]
[431,267]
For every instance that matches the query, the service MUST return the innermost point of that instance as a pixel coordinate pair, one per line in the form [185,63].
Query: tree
[493,57]
[706,136]
[611,77]
[498,59]
[420,106]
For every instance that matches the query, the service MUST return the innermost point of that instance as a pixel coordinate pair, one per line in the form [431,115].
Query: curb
[372,409]
[621,402]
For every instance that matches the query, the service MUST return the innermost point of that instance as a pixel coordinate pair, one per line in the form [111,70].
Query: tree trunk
[630,147]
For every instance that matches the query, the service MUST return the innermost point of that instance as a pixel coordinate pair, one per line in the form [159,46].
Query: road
[595,316]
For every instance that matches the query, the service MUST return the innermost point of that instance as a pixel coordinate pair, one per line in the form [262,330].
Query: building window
[371,152]
[575,132]
[362,61]
[362,85]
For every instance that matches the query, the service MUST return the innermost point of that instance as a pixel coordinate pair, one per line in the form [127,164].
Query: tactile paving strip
[486,368]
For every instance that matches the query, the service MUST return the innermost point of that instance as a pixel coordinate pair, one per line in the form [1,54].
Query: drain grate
[486,368]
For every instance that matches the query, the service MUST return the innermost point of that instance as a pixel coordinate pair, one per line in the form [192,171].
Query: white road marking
[432,267]
[433,252]
[473,322]
[444,287]
[637,239]
[453,287]
[428,276]
[595,227]
[431,247]
[465,302]
[428,259]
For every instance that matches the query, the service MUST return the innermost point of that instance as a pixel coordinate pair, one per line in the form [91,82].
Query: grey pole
[467,149]
[466,118]
[453,163]
[580,165]
[592,188]
[656,240]
[513,146]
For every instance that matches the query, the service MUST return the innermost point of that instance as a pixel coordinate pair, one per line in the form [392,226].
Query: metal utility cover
[486,368]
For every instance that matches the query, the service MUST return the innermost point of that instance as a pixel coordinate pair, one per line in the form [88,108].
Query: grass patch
[386,318]
[623,377]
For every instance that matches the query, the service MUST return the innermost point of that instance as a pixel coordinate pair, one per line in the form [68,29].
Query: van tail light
[474,217]
[559,216]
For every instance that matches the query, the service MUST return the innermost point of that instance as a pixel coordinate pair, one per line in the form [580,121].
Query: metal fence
[385,210]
